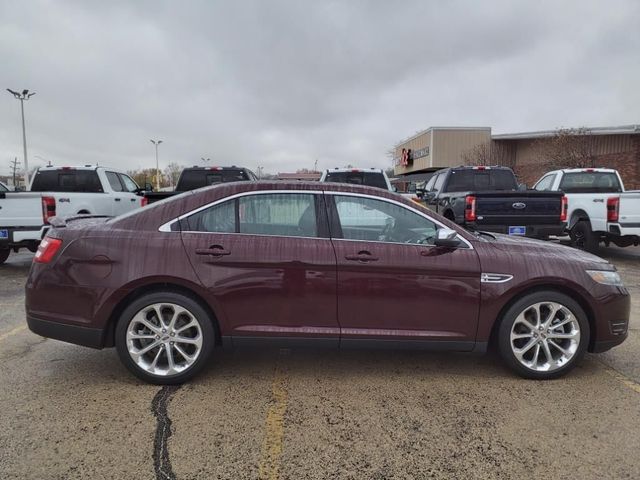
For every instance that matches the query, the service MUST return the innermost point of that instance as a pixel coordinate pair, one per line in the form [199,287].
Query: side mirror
[522,187]
[446,238]
[148,187]
[429,196]
[394,189]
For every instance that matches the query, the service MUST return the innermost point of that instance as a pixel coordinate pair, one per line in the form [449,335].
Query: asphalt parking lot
[72,412]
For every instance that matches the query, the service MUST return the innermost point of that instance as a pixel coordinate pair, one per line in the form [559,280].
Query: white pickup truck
[62,192]
[599,208]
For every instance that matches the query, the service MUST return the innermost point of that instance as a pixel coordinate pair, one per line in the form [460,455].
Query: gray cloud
[283,83]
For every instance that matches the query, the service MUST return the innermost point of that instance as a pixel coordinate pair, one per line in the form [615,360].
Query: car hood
[548,251]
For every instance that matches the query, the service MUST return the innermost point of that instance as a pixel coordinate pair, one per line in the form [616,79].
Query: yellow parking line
[269,468]
[633,385]
[10,333]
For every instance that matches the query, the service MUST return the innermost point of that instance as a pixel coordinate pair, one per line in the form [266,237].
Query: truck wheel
[4,254]
[583,238]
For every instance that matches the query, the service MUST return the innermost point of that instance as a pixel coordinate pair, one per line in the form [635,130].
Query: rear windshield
[192,179]
[371,179]
[66,181]
[590,182]
[469,180]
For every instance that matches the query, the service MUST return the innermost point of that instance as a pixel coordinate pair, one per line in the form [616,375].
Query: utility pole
[260,172]
[14,167]
[25,95]
[156,143]
[315,166]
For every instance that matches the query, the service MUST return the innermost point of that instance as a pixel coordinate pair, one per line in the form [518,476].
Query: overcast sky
[283,83]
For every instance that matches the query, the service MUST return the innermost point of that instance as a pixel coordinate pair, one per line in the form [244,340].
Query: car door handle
[214,250]
[362,256]
[117,199]
[132,199]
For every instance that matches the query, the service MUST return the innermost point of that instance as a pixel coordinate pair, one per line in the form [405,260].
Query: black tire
[583,238]
[4,254]
[507,323]
[196,311]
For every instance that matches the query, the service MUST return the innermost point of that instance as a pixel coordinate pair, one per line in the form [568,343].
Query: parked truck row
[591,205]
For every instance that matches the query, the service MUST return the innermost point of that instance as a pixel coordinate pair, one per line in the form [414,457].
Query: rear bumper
[88,337]
[23,237]
[534,231]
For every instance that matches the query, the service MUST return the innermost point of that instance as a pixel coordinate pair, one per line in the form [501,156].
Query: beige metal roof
[619,130]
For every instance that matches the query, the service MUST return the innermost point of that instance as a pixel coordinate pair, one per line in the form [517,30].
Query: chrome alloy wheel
[164,339]
[545,336]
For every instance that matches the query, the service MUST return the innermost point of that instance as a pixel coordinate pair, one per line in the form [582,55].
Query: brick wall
[627,163]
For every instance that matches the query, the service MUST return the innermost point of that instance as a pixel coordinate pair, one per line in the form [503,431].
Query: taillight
[47,249]
[144,201]
[470,208]
[613,209]
[48,208]
[564,208]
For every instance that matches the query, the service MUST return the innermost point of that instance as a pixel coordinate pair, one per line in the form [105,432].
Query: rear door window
[67,180]
[220,218]
[282,214]
[114,181]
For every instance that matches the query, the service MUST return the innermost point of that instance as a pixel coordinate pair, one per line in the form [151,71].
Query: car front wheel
[543,335]
[164,337]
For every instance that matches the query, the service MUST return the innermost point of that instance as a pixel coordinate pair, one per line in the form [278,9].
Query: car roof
[355,170]
[588,169]
[50,168]
[200,167]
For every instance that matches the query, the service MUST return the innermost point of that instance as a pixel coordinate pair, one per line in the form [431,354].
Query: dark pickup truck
[198,177]
[489,199]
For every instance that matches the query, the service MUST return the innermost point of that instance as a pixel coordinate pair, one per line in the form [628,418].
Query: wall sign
[407,156]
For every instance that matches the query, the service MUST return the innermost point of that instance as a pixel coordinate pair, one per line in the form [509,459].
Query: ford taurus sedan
[302,264]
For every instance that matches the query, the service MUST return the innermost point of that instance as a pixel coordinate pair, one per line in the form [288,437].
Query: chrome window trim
[400,204]
[166,227]
[495,277]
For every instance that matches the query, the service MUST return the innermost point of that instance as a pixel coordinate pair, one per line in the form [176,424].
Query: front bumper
[88,337]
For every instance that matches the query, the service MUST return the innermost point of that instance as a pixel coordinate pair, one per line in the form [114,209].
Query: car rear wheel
[582,236]
[4,254]
[164,338]
[543,335]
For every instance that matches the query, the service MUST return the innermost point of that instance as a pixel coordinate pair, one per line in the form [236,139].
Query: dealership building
[439,147]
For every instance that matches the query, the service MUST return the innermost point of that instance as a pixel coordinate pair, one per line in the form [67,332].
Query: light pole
[25,95]
[156,143]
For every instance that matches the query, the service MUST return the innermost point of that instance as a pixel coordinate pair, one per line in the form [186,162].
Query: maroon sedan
[300,264]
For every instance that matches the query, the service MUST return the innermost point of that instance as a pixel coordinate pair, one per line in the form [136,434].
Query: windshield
[469,180]
[371,179]
[590,182]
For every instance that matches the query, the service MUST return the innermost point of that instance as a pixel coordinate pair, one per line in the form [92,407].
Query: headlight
[605,277]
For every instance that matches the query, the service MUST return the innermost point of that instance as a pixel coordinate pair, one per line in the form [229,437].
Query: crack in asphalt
[161,461]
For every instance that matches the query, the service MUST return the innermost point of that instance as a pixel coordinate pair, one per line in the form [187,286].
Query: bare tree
[489,153]
[567,148]
[173,172]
